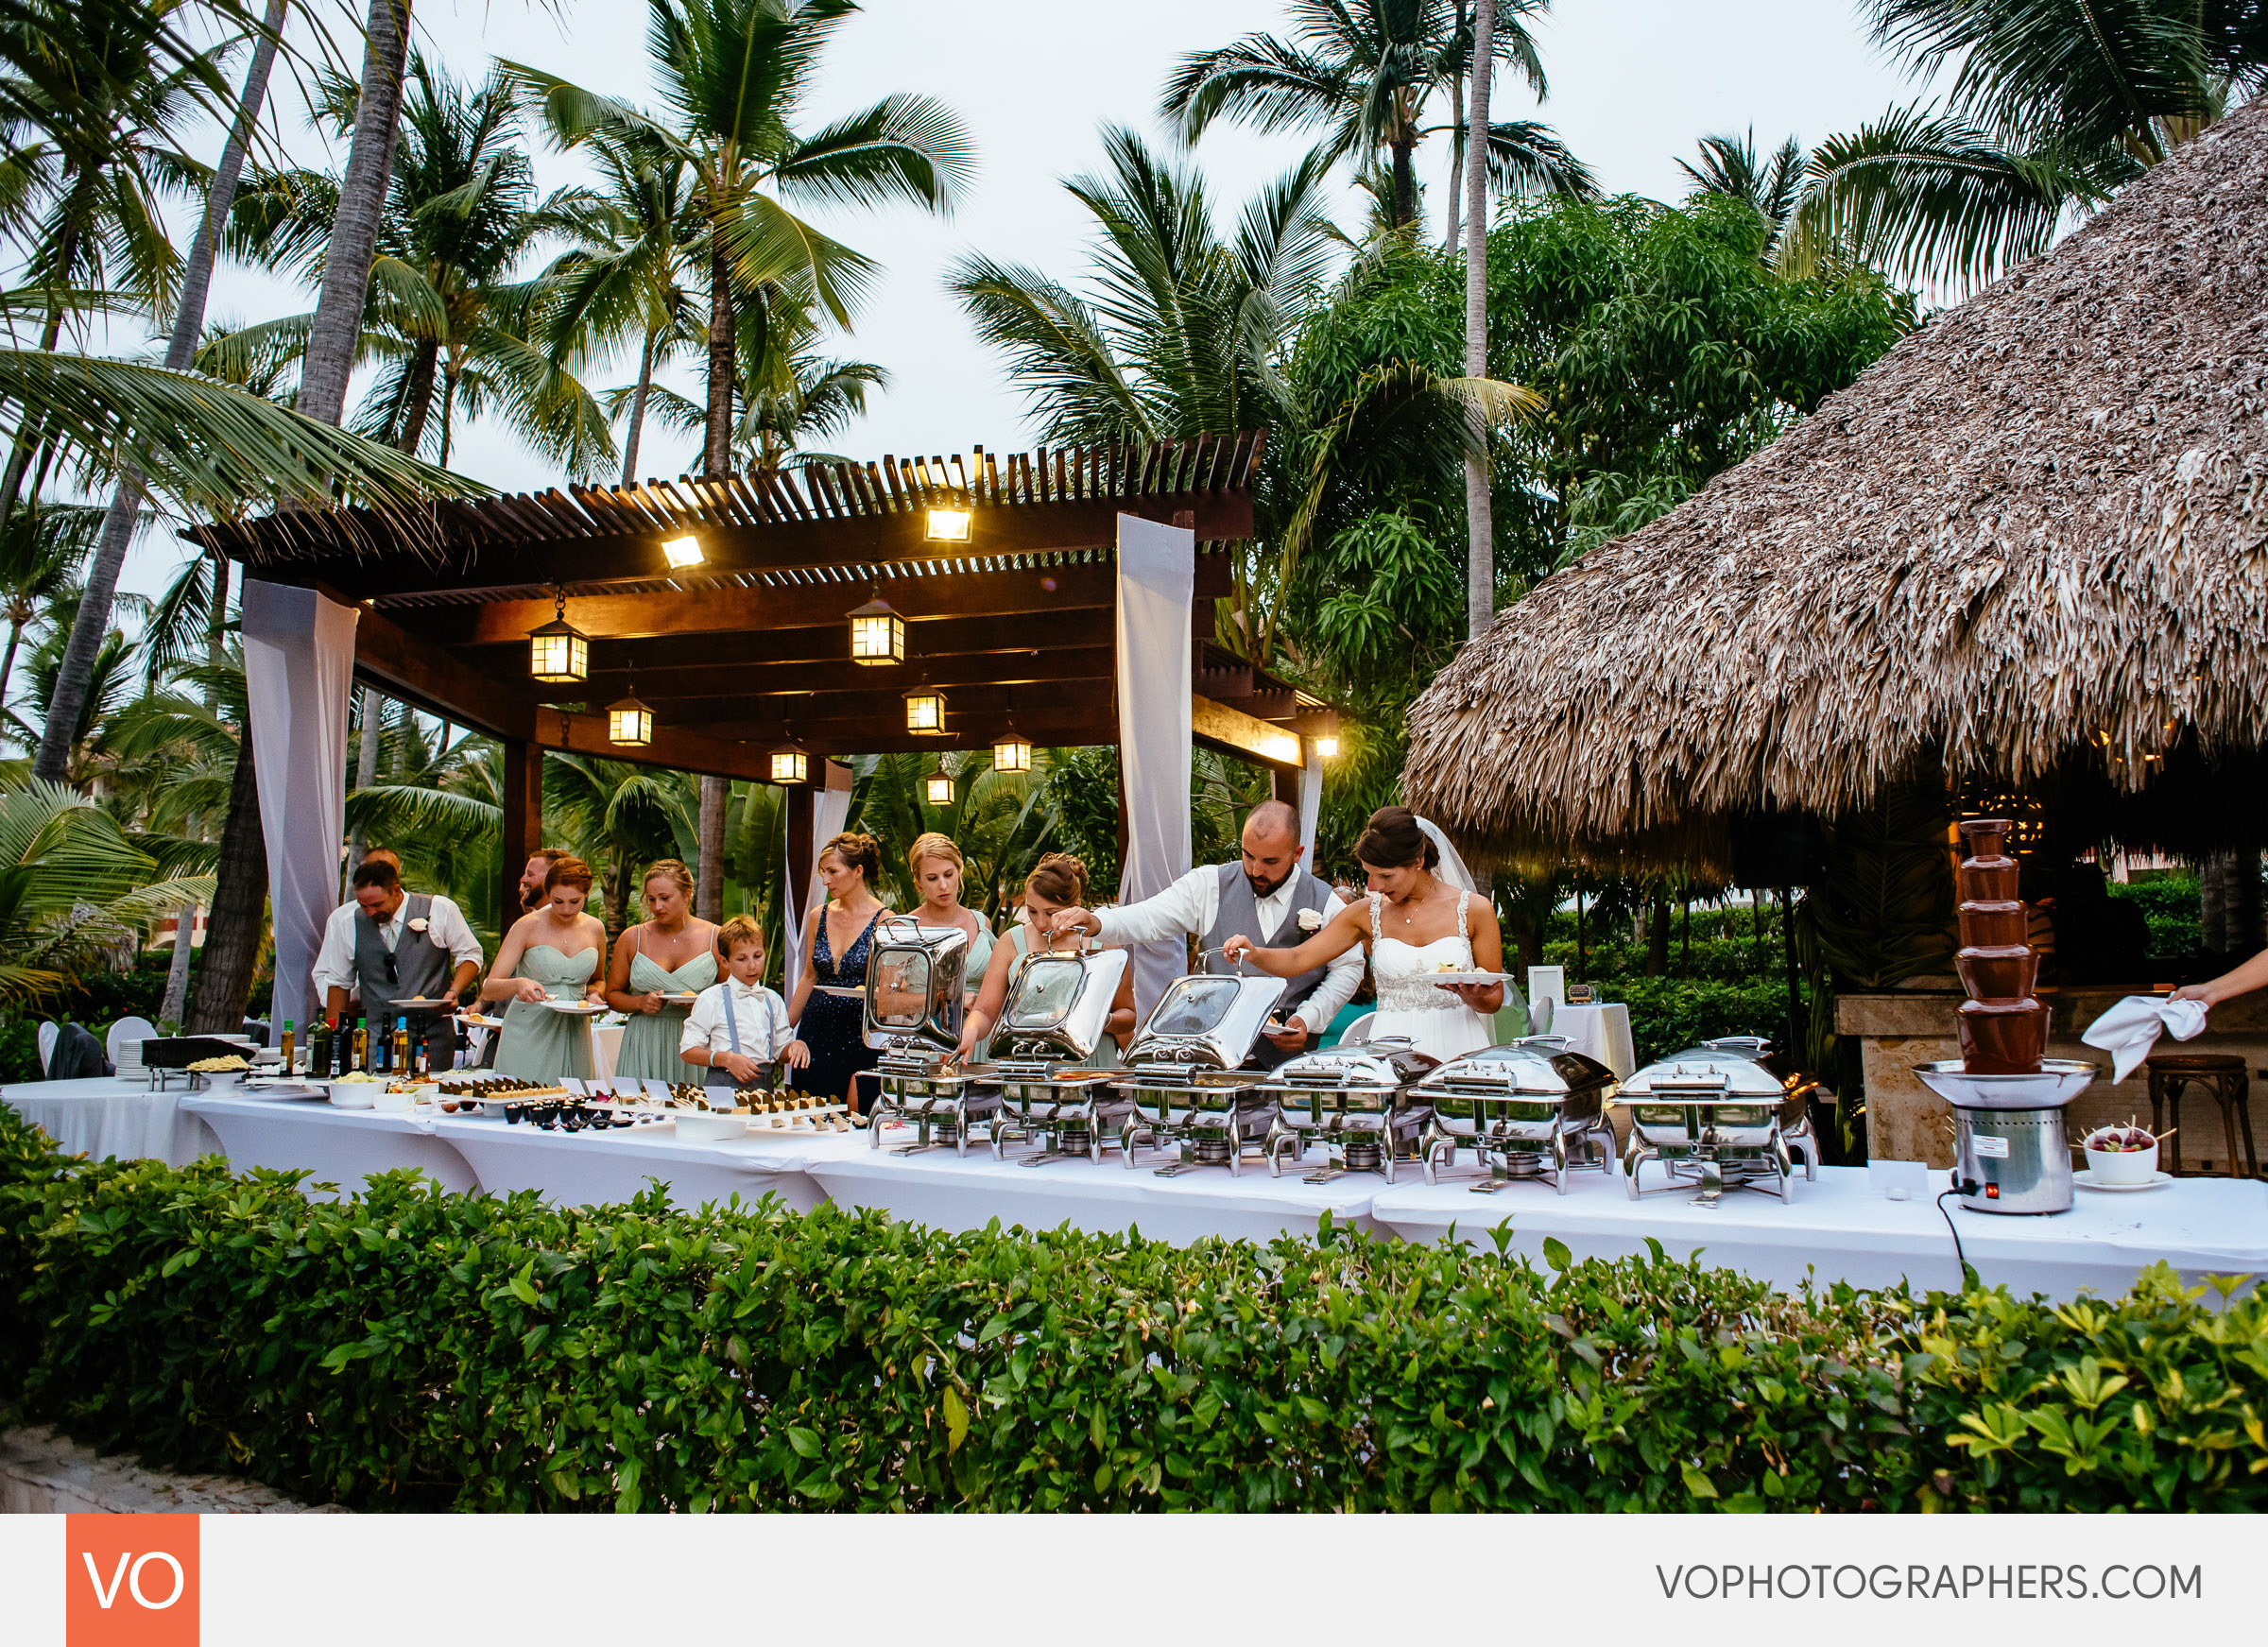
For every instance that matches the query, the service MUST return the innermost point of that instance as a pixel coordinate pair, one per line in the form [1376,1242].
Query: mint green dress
[650,1039]
[536,1043]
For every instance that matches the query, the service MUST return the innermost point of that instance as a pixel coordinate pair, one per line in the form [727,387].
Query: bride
[1421,917]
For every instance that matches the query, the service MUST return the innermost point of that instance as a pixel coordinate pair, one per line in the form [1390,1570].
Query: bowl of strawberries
[2122,1155]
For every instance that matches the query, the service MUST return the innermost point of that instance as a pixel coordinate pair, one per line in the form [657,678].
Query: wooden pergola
[750,647]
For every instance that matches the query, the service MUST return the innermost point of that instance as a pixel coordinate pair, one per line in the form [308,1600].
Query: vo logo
[130,1580]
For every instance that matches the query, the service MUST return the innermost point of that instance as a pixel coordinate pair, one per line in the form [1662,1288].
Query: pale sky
[1633,84]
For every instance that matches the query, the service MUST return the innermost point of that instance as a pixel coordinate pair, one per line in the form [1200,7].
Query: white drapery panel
[299,667]
[1311,803]
[829,807]
[1156,577]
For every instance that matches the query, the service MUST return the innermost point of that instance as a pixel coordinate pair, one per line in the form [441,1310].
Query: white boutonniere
[1311,920]
[419,924]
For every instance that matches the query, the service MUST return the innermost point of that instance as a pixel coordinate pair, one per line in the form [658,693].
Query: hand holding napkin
[2131,1028]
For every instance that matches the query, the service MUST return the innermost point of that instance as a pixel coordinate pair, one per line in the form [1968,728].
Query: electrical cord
[1960,1187]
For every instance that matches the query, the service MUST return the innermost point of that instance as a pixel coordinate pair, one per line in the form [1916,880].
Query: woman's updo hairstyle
[1060,879]
[672,870]
[568,871]
[857,851]
[1393,841]
[932,845]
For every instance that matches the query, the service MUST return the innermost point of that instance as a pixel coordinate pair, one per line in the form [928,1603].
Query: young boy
[739,1026]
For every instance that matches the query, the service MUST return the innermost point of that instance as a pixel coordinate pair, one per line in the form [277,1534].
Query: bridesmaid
[936,865]
[670,952]
[551,953]
[1057,882]
[828,1010]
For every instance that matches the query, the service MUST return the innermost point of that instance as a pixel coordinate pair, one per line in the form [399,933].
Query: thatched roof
[2035,528]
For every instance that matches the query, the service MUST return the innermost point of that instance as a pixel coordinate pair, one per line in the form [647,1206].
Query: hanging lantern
[937,789]
[877,634]
[558,654]
[1327,746]
[629,722]
[924,709]
[1011,752]
[950,525]
[684,552]
[789,763]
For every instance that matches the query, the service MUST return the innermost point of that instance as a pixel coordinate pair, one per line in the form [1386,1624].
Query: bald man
[1271,888]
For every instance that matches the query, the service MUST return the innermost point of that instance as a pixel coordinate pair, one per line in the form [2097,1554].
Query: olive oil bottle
[362,1045]
[401,1057]
[289,1047]
[319,1054]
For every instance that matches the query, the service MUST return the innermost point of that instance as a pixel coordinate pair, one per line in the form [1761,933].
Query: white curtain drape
[1156,577]
[299,667]
[1311,803]
[829,807]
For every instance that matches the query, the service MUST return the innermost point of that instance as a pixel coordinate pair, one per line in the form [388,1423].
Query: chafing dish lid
[916,977]
[1207,1020]
[1734,1065]
[1387,1062]
[1536,1063]
[1058,1004]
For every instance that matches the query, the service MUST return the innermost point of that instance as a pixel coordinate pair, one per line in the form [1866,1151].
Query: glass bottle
[362,1045]
[401,1060]
[318,1047]
[289,1047]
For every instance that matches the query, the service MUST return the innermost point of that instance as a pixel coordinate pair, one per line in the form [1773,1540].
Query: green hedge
[417,1349]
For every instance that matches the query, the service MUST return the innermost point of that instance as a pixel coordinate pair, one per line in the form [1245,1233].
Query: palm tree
[1002,821]
[1480,515]
[446,321]
[1730,166]
[1367,72]
[733,74]
[620,818]
[42,547]
[2055,105]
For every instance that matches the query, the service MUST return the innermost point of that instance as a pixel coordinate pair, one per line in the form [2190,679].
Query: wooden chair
[2225,1081]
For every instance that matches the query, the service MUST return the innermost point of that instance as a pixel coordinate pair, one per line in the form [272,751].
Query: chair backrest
[128,1029]
[48,1031]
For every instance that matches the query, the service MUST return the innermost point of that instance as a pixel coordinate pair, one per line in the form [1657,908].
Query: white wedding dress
[1410,1003]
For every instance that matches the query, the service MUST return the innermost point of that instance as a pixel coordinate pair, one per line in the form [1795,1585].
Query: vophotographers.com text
[1915,1581]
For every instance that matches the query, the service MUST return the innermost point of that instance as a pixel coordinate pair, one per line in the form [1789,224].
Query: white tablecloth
[339,1147]
[948,1192]
[1601,1031]
[576,1169]
[1838,1229]
[104,1116]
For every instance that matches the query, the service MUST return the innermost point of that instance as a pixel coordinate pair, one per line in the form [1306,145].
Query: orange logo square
[130,1580]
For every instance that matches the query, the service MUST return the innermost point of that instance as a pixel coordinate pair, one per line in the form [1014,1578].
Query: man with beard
[1270,889]
[531,878]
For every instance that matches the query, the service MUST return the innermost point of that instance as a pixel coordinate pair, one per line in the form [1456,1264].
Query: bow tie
[745,991]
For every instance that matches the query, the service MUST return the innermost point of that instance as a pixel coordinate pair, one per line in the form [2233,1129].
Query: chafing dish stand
[1718,1117]
[1190,1085]
[1354,1102]
[1056,1014]
[1530,1110]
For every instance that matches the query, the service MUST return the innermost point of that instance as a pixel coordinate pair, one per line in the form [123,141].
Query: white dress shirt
[765,1031]
[1190,907]
[446,928]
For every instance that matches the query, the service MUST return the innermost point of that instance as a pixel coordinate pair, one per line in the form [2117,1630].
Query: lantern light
[924,709]
[630,724]
[558,654]
[1011,752]
[937,789]
[950,525]
[1327,746]
[877,634]
[684,552]
[789,763]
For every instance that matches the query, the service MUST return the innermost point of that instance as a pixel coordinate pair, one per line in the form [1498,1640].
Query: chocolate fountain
[2011,1154]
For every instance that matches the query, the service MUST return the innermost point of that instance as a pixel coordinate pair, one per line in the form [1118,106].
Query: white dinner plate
[680,998]
[419,1004]
[477,1021]
[1467,977]
[576,1009]
[2085,1179]
[280,1090]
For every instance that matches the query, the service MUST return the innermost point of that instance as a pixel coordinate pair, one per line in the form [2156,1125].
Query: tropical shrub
[415,1349]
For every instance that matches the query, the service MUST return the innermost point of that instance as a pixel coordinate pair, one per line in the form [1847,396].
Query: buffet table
[950,1191]
[574,1168]
[1839,1228]
[339,1147]
[104,1116]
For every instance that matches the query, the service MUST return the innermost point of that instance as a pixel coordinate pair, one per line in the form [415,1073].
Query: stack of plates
[131,1067]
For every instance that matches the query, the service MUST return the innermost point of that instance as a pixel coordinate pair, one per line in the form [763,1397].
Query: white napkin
[2131,1028]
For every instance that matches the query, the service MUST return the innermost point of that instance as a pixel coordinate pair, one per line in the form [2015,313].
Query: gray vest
[422,967]
[1240,913]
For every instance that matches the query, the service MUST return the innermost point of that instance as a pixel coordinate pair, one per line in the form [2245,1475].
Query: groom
[1269,892]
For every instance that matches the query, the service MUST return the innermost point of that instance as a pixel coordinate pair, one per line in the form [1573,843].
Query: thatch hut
[2025,551]
[2032,540]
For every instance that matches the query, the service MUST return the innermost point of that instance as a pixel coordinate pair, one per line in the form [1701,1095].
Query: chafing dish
[1189,1083]
[916,977]
[1354,1101]
[1528,1109]
[1717,1117]
[1056,1014]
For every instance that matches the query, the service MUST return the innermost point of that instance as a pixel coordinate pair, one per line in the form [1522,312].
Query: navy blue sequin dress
[831,1023]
